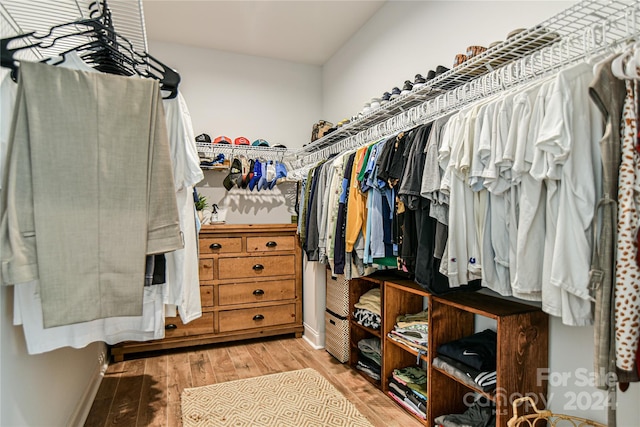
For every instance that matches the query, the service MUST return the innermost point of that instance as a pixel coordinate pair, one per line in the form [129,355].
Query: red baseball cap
[241,140]
[222,140]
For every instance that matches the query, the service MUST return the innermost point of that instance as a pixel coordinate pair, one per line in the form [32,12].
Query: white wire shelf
[576,32]
[210,150]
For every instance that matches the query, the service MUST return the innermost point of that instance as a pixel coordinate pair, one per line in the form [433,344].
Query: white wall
[240,95]
[239,206]
[50,389]
[408,37]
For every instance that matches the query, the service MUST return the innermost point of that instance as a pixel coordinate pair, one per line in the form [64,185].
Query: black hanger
[107,51]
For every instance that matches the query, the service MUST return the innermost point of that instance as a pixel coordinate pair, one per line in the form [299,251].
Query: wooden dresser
[250,286]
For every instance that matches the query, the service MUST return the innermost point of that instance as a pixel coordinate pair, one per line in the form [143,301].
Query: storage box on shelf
[250,287]
[522,343]
[337,317]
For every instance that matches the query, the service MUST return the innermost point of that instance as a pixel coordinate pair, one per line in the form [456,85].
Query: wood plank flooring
[145,391]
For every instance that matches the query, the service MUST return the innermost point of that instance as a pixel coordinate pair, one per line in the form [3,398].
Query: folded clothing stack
[408,387]
[412,330]
[370,357]
[485,380]
[471,359]
[208,161]
[480,414]
[367,309]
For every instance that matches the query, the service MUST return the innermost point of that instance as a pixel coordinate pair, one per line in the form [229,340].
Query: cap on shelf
[222,140]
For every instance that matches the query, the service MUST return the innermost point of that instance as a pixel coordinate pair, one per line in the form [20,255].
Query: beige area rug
[297,398]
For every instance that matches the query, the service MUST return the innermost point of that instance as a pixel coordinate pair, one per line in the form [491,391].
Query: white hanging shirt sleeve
[183,285]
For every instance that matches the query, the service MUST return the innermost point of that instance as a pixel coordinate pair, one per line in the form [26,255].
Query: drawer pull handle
[258,317]
[258,267]
[258,292]
[215,246]
[272,244]
[170,326]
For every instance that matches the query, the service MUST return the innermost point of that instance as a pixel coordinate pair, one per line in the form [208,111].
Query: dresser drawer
[175,328]
[206,295]
[235,268]
[205,269]
[270,244]
[220,245]
[248,318]
[246,293]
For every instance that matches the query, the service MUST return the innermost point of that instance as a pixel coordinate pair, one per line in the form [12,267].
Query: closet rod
[605,34]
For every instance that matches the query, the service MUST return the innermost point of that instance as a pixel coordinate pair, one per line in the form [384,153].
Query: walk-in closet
[319,213]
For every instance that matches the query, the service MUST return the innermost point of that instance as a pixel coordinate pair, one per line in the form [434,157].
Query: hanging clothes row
[372,215]
[510,184]
[92,287]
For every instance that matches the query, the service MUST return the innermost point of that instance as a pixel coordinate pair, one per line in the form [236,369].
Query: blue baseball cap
[263,177]
[257,173]
[281,172]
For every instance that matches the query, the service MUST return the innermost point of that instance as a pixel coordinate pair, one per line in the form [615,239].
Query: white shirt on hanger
[183,286]
[570,133]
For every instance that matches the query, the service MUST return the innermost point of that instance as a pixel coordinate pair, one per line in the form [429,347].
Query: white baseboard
[313,337]
[81,412]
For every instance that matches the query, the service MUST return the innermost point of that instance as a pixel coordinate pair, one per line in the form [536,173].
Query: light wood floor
[145,391]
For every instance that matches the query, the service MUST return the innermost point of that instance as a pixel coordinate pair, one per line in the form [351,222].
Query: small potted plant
[200,203]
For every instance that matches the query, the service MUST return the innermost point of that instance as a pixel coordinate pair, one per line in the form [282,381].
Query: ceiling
[303,31]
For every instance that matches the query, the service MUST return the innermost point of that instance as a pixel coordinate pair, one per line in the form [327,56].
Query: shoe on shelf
[461,58]
[475,51]
[419,82]
[431,75]
[440,69]
[408,86]
[375,103]
[385,98]
[344,122]
[366,109]
[395,92]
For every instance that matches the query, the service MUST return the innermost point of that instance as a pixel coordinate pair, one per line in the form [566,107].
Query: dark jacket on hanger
[339,255]
[312,236]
